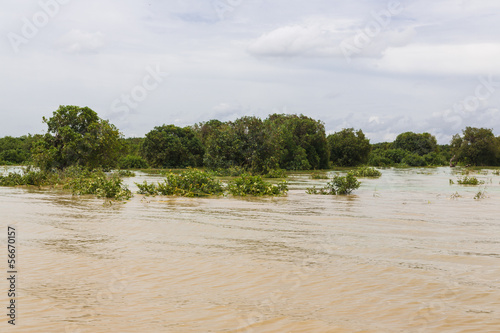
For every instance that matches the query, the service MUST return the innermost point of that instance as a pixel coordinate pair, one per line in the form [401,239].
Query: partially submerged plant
[276,173]
[318,175]
[480,195]
[466,180]
[339,185]
[75,178]
[368,172]
[255,185]
[100,185]
[189,183]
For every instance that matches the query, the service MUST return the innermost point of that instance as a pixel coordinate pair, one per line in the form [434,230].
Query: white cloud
[77,41]
[471,59]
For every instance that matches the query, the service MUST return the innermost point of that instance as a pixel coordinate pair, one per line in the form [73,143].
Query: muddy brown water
[403,254]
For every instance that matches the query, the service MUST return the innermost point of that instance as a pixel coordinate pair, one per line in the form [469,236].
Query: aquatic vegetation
[365,171]
[125,173]
[255,185]
[318,175]
[452,182]
[276,173]
[466,180]
[480,195]
[196,183]
[455,196]
[340,185]
[189,183]
[233,171]
[97,183]
[496,172]
[132,162]
[77,179]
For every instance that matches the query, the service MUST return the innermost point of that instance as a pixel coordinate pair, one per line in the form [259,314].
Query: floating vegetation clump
[196,183]
[189,183]
[318,175]
[340,185]
[469,180]
[367,172]
[256,186]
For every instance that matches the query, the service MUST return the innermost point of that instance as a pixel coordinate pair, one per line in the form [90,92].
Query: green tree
[416,143]
[477,146]
[300,141]
[77,136]
[348,148]
[169,146]
[243,143]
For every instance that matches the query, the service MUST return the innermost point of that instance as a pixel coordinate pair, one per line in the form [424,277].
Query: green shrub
[255,185]
[366,172]
[435,159]
[276,173]
[100,185]
[318,175]
[125,173]
[413,160]
[78,179]
[132,162]
[189,183]
[466,180]
[233,171]
[340,185]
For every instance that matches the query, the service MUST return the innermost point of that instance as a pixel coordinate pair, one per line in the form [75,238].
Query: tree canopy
[169,146]
[416,143]
[477,146]
[77,136]
[348,148]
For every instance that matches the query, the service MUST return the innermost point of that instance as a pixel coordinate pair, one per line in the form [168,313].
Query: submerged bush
[255,185]
[125,173]
[97,183]
[233,171]
[78,179]
[190,183]
[318,175]
[276,173]
[466,180]
[132,162]
[31,177]
[340,185]
[413,160]
[366,172]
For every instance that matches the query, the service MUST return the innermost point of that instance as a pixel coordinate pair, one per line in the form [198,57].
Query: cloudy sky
[383,66]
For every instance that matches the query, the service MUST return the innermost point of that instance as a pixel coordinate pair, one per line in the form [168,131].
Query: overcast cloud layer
[384,67]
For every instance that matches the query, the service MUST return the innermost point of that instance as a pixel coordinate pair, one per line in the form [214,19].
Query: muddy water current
[408,252]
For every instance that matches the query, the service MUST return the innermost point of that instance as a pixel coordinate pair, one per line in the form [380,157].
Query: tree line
[78,136]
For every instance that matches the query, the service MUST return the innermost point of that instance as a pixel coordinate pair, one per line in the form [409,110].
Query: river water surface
[408,252]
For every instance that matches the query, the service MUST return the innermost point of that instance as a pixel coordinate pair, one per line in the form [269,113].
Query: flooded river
[408,252]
